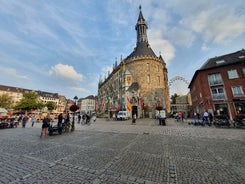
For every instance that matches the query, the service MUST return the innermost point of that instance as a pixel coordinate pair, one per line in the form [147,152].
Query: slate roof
[224,60]
[142,49]
[220,61]
[22,90]
[134,86]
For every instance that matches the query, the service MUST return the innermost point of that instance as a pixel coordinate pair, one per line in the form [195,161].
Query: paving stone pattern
[116,152]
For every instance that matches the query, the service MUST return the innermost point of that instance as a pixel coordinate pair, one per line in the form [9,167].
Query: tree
[30,101]
[173,98]
[5,101]
[51,105]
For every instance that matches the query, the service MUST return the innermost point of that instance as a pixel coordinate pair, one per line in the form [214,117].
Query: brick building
[139,83]
[219,85]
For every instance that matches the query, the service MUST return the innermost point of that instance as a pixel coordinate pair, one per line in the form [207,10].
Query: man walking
[33,120]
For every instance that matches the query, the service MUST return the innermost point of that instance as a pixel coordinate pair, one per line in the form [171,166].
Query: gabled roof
[220,61]
[224,60]
[127,72]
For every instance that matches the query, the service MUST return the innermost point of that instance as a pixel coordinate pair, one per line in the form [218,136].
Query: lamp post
[75,109]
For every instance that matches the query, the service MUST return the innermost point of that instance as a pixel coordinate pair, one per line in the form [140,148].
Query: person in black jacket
[45,125]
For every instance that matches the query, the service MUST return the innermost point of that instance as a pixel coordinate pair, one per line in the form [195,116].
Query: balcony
[215,83]
[220,96]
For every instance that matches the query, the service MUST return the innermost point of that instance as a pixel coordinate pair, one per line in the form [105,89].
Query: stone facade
[139,84]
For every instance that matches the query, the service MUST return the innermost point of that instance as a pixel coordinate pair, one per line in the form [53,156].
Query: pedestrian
[20,119]
[210,118]
[195,118]
[179,116]
[79,118]
[60,120]
[87,119]
[33,120]
[45,125]
[134,119]
[24,121]
[205,118]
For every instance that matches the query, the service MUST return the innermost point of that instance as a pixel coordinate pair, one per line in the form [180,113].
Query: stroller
[55,128]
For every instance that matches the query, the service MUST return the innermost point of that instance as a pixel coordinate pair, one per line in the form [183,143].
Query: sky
[66,46]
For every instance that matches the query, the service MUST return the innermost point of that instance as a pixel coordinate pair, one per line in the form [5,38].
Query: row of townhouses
[87,105]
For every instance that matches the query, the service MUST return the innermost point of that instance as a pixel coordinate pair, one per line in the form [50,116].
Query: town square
[119,152]
[122,92]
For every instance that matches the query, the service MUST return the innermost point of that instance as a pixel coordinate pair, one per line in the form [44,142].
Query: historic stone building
[139,83]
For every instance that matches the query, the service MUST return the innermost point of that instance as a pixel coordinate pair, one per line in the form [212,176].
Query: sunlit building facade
[139,83]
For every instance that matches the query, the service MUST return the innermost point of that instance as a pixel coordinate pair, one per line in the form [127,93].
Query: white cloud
[218,24]
[160,45]
[66,72]
[204,47]
[181,37]
[11,72]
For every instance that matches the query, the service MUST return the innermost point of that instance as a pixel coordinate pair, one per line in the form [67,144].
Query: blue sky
[65,46]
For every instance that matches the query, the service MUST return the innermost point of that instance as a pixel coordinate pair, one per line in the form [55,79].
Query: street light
[75,100]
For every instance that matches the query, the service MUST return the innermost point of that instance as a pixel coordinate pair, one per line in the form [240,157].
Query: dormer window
[220,61]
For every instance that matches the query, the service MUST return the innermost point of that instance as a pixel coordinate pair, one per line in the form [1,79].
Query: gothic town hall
[139,83]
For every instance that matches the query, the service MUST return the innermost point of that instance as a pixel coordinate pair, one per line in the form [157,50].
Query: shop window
[240,107]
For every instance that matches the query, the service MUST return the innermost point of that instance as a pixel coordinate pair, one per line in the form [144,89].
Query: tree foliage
[173,98]
[5,101]
[30,101]
[51,106]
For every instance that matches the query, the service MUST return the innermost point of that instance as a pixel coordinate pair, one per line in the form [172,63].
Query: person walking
[60,120]
[79,118]
[45,125]
[33,120]
[210,116]
[205,118]
[24,121]
[134,119]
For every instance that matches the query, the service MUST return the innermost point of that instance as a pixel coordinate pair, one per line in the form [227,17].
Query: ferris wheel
[178,85]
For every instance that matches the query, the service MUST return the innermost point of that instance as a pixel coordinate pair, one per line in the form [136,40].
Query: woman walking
[45,125]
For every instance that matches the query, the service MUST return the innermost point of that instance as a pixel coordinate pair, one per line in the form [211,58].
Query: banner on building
[129,104]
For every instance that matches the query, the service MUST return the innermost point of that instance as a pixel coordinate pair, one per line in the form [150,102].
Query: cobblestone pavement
[117,152]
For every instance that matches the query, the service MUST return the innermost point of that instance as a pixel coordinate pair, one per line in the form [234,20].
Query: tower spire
[141,28]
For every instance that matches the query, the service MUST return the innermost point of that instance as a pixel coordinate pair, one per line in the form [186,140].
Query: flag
[96,105]
[129,105]
[141,103]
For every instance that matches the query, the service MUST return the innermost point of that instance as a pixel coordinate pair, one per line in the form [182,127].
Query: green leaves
[30,101]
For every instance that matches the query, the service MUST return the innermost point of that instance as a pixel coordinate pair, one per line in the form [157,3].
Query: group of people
[64,119]
[23,119]
[204,119]
[180,116]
